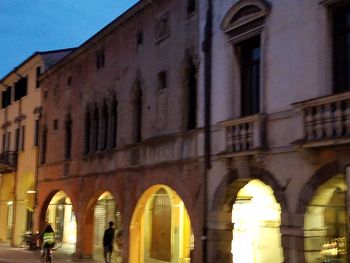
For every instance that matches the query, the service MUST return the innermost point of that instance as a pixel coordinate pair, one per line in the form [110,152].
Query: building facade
[120,138]
[19,120]
[278,186]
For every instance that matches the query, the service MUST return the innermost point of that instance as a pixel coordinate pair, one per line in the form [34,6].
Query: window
[21,88]
[36,132]
[162,27]
[138,114]
[43,145]
[250,75]
[161,226]
[162,80]
[38,74]
[8,142]
[139,38]
[6,97]
[55,125]
[244,24]
[104,128]
[191,95]
[191,6]
[95,130]
[341,48]
[23,134]
[100,58]
[4,142]
[17,140]
[68,138]
[114,123]
[69,82]
[87,137]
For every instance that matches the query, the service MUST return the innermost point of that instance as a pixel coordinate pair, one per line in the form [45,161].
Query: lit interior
[61,216]
[256,217]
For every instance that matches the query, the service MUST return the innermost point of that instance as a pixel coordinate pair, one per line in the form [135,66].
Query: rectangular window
[250,75]
[100,58]
[69,82]
[21,87]
[191,6]
[341,49]
[36,132]
[8,142]
[43,146]
[38,74]
[162,80]
[55,125]
[4,142]
[6,98]
[139,38]
[23,136]
[17,140]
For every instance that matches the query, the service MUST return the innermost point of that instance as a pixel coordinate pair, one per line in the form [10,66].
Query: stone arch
[137,229]
[322,175]
[229,187]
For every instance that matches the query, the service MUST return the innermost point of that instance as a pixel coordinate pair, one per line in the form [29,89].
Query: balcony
[325,121]
[244,136]
[8,162]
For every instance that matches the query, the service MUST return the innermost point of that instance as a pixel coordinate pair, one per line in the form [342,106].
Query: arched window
[138,113]
[68,137]
[114,123]
[104,128]
[87,136]
[161,226]
[95,130]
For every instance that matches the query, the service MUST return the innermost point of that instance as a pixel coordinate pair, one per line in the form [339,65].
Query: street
[18,255]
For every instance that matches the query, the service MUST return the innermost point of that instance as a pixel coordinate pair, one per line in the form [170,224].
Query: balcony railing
[326,119]
[244,134]
[8,161]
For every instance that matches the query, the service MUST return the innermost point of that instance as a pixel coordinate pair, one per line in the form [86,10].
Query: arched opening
[61,216]
[160,229]
[106,210]
[325,223]
[256,218]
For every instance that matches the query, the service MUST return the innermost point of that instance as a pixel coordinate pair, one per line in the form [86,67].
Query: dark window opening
[55,125]
[341,49]
[139,38]
[6,97]
[87,137]
[114,123]
[250,76]
[95,130]
[100,58]
[192,96]
[69,81]
[4,142]
[43,145]
[162,80]
[104,128]
[68,144]
[191,6]
[138,115]
[23,136]
[17,140]
[38,74]
[36,132]
[21,87]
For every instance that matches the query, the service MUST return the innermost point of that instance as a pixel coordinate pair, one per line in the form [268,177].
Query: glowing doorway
[105,211]
[325,224]
[61,216]
[160,229]
[256,219]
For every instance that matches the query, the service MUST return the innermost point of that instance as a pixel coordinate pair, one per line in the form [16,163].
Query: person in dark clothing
[108,242]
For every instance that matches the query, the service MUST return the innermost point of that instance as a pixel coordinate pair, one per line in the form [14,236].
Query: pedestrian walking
[108,238]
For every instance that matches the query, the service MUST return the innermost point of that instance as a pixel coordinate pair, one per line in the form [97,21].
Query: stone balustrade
[326,117]
[244,134]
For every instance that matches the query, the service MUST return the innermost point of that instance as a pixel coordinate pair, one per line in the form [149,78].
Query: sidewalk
[20,255]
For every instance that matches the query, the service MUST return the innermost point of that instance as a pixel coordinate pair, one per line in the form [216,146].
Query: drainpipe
[206,48]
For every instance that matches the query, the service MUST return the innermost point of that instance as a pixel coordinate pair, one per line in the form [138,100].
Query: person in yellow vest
[48,236]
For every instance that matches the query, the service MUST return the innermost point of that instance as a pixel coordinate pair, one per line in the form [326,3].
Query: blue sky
[27,26]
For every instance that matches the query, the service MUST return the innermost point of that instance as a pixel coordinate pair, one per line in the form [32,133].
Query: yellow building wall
[6,195]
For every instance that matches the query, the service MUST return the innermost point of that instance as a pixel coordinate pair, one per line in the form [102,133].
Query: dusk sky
[27,26]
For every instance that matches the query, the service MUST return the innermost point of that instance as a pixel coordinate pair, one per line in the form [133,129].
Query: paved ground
[21,255]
